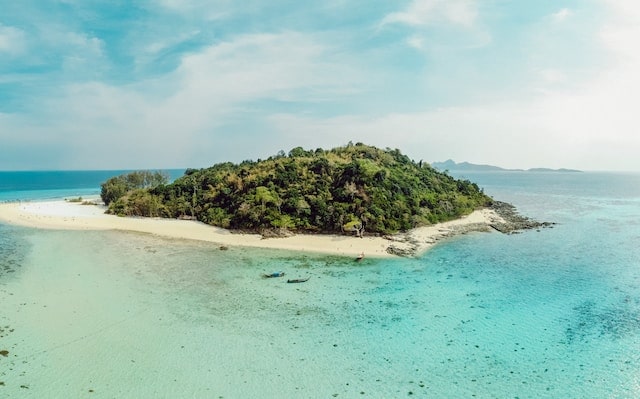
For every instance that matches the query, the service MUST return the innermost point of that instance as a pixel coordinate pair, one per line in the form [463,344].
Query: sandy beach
[75,216]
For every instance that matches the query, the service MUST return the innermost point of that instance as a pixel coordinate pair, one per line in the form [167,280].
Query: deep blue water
[553,313]
[38,185]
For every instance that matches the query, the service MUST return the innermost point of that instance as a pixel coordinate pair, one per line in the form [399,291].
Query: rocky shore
[501,216]
[513,222]
[69,215]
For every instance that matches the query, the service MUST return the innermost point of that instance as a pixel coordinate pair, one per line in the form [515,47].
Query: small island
[354,189]
[348,201]
[453,166]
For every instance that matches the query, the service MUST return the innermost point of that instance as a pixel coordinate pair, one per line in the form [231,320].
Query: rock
[275,233]
[513,221]
[404,252]
[510,222]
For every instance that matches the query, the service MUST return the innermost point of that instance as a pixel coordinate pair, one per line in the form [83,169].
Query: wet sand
[65,215]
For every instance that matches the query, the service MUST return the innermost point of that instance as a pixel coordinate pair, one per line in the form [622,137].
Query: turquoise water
[549,314]
[43,185]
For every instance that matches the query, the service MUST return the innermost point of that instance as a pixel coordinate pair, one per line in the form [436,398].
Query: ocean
[46,185]
[553,313]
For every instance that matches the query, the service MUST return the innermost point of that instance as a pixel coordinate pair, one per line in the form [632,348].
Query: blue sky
[88,84]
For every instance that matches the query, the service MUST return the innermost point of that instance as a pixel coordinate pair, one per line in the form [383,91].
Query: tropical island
[349,201]
[353,189]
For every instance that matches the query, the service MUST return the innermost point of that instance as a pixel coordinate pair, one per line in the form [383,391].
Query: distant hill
[342,189]
[553,170]
[465,166]
[450,165]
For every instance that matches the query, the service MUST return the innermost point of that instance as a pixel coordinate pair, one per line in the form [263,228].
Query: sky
[127,84]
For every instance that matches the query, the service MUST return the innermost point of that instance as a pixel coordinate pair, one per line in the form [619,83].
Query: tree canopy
[352,188]
[119,186]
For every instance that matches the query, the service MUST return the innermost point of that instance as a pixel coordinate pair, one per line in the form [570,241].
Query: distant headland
[453,166]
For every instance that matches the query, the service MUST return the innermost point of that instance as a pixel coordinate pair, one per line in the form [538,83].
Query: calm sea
[543,314]
[43,185]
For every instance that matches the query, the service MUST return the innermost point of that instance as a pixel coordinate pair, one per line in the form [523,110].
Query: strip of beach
[67,215]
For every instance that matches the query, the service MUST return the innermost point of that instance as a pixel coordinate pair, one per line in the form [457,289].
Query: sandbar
[66,215]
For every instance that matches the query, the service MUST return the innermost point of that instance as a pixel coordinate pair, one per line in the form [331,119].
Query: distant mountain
[553,170]
[471,167]
[465,166]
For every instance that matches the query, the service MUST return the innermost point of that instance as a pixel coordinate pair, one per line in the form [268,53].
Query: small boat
[360,257]
[298,280]
[274,274]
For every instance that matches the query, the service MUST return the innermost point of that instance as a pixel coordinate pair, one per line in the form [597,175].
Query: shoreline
[65,215]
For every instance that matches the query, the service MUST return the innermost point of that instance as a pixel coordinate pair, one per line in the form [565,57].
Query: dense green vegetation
[117,187]
[350,188]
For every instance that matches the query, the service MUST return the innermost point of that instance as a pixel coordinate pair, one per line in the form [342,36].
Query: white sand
[74,216]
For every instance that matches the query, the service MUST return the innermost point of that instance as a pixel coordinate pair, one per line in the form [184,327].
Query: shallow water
[554,313]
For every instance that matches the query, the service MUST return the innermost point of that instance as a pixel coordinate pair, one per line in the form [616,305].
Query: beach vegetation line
[352,189]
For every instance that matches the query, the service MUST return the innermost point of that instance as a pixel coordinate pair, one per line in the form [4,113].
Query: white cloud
[82,53]
[148,53]
[156,47]
[12,40]
[416,41]
[502,134]
[208,10]
[268,91]
[57,46]
[592,123]
[547,80]
[561,15]
[607,105]
[184,5]
[283,67]
[551,76]
[183,115]
[84,42]
[437,24]
[620,34]
[426,12]
[549,132]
